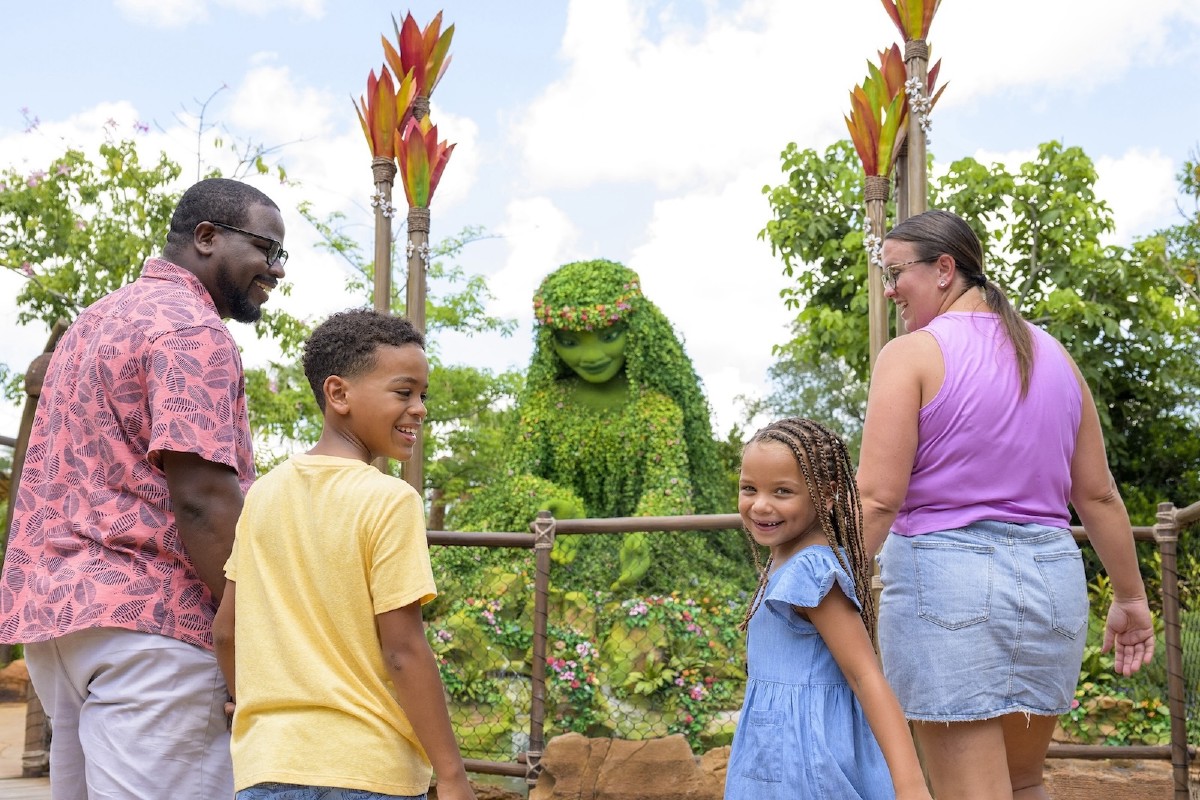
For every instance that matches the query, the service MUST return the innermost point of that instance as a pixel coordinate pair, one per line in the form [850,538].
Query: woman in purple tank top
[979,432]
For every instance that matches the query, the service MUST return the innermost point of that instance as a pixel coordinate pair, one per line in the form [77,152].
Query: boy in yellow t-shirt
[336,688]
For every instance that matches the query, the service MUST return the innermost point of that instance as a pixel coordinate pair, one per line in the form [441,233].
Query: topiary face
[595,356]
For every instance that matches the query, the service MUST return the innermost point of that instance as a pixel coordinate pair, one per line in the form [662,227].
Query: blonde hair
[825,464]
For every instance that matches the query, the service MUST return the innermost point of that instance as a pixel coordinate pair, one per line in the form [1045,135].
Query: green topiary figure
[612,423]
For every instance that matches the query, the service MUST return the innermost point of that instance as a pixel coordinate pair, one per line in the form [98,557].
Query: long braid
[825,465]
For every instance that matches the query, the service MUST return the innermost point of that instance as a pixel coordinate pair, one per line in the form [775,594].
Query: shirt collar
[162,269]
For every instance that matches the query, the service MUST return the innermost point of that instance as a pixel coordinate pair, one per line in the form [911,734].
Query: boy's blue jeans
[292,791]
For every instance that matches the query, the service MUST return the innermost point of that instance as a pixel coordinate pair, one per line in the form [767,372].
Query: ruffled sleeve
[805,580]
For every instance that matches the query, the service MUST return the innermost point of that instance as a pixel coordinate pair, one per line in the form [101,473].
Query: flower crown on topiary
[585,318]
[587,295]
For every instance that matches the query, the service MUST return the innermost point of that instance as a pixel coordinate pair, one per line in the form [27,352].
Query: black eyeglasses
[275,252]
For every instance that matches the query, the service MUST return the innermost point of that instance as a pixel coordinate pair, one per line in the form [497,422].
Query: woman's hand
[1129,633]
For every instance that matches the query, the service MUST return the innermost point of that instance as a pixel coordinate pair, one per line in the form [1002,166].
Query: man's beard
[237,300]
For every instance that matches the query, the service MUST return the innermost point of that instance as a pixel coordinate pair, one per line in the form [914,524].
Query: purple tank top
[982,451]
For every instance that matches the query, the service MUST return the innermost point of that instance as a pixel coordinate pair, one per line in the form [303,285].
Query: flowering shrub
[1107,712]
[572,686]
[677,661]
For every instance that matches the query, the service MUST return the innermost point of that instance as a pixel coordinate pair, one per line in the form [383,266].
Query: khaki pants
[134,716]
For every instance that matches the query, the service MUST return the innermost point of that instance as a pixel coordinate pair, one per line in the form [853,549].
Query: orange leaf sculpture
[879,111]
[424,52]
[382,110]
[422,160]
[912,17]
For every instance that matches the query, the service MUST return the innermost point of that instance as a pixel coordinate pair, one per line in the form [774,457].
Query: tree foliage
[1125,313]
[79,229]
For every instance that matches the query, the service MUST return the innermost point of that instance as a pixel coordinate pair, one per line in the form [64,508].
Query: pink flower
[27,268]
[35,178]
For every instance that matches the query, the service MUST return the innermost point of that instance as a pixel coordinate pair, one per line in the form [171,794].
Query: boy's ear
[337,395]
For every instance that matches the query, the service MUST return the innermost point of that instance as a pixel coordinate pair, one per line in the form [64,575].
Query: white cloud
[702,264]
[540,238]
[180,13]
[987,47]
[1139,187]
[163,13]
[692,105]
[267,102]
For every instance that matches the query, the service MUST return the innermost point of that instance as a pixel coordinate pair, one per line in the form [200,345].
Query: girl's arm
[414,673]
[839,624]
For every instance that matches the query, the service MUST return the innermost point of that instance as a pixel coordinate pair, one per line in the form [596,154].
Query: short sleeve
[806,578]
[194,395]
[231,562]
[401,573]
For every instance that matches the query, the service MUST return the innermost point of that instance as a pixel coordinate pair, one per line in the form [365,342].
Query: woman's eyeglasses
[891,273]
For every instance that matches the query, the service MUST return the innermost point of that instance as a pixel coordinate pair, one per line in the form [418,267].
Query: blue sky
[636,130]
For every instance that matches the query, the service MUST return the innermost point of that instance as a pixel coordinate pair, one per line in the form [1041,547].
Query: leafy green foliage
[1124,314]
[469,407]
[76,230]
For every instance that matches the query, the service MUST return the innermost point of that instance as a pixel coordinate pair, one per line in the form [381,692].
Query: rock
[579,768]
[483,791]
[1083,779]
[14,682]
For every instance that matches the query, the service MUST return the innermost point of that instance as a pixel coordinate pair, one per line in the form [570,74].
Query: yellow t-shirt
[323,545]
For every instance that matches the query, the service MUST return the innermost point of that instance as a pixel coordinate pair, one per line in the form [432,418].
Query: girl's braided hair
[825,464]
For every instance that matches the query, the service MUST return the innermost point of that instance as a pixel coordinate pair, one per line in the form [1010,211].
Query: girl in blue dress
[819,720]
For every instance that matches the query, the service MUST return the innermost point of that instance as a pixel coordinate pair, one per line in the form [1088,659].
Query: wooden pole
[414,308]
[383,170]
[543,531]
[417,251]
[876,195]
[916,63]
[1166,532]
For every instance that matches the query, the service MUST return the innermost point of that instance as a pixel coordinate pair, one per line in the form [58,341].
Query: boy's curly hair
[346,344]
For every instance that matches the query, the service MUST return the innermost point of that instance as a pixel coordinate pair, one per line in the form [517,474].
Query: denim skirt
[982,621]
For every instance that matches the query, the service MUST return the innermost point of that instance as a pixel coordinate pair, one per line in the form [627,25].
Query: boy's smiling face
[385,406]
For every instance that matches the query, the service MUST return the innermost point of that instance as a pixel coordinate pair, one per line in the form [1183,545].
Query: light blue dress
[802,732]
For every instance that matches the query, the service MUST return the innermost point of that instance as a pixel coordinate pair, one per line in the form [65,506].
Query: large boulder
[579,768]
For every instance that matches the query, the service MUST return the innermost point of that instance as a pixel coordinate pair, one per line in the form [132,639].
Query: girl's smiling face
[774,500]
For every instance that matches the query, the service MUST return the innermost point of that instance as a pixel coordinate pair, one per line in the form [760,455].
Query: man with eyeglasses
[124,516]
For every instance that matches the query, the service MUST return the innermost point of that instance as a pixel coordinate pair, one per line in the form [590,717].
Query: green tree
[826,390]
[469,406]
[78,230]
[1123,313]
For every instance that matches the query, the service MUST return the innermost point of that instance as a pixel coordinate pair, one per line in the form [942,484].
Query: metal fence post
[543,532]
[1166,534]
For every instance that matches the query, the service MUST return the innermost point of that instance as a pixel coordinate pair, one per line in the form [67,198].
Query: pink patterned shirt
[149,368]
